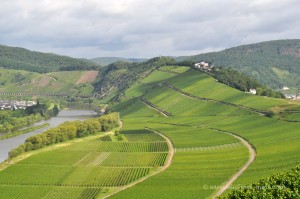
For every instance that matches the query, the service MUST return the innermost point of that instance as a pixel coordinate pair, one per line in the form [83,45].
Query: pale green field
[64,82]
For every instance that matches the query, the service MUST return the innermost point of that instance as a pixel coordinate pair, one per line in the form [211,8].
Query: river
[64,115]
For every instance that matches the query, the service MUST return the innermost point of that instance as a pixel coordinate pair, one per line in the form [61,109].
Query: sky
[144,28]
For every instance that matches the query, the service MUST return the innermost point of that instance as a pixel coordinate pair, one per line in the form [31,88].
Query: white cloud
[141,28]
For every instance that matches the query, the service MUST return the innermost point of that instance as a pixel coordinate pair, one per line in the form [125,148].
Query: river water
[64,115]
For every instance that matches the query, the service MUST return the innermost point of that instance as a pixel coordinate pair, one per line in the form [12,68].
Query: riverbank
[65,115]
[27,130]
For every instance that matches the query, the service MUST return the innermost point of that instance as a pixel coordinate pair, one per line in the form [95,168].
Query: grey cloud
[140,28]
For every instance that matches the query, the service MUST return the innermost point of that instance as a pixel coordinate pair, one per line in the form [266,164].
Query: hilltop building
[252,91]
[203,66]
[285,88]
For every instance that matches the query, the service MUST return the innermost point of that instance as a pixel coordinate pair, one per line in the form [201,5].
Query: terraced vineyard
[215,145]
[206,158]
[93,167]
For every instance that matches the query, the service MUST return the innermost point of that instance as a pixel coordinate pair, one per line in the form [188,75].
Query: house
[285,88]
[14,104]
[203,66]
[252,91]
[290,96]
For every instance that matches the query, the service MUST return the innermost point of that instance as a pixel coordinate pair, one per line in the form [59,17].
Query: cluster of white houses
[14,104]
[292,96]
[204,66]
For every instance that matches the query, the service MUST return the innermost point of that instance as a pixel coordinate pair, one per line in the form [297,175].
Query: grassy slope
[190,126]
[54,83]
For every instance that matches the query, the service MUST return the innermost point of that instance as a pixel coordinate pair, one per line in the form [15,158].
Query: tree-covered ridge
[279,185]
[23,59]
[104,61]
[67,131]
[119,76]
[273,63]
[116,77]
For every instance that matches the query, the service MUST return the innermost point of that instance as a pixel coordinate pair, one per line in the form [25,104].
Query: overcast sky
[144,28]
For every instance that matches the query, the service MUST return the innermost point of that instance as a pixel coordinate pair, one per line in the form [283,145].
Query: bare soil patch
[88,76]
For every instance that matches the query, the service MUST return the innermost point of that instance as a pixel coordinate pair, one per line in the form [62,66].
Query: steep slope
[206,155]
[117,77]
[23,59]
[71,83]
[273,63]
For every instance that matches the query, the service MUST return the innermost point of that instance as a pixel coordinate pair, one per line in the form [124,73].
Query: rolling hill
[23,59]
[213,128]
[183,134]
[71,83]
[273,63]
[104,61]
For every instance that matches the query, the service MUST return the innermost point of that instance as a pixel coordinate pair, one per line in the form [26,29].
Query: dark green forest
[273,63]
[104,61]
[23,59]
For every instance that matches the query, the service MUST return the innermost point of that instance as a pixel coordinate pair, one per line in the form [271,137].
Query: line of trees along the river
[68,131]
[13,120]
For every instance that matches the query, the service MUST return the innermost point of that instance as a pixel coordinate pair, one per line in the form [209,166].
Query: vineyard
[90,168]
[205,157]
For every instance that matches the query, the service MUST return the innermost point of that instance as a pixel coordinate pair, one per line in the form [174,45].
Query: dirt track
[168,163]
[242,170]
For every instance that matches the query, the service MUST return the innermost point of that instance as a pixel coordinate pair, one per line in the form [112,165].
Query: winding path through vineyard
[167,164]
[241,171]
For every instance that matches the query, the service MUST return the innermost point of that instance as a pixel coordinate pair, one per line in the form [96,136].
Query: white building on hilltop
[285,88]
[203,66]
[252,91]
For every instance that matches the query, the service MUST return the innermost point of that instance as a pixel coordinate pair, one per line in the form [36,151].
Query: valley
[181,134]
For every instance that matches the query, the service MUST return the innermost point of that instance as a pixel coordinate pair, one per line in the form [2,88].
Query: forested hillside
[116,77]
[104,61]
[23,59]
[274,63]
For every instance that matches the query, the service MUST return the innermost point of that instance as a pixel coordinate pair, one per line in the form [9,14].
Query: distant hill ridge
[273,63]
[104,61]
[23,59]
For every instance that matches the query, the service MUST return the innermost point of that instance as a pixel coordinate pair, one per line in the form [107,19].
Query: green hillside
[119,76]
[209,134]
[23,59]
[206,156]
[273,63]
[104,61]
[72,83]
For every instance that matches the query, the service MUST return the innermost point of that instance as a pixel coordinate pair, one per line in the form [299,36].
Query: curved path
[167,164]
[243,169]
